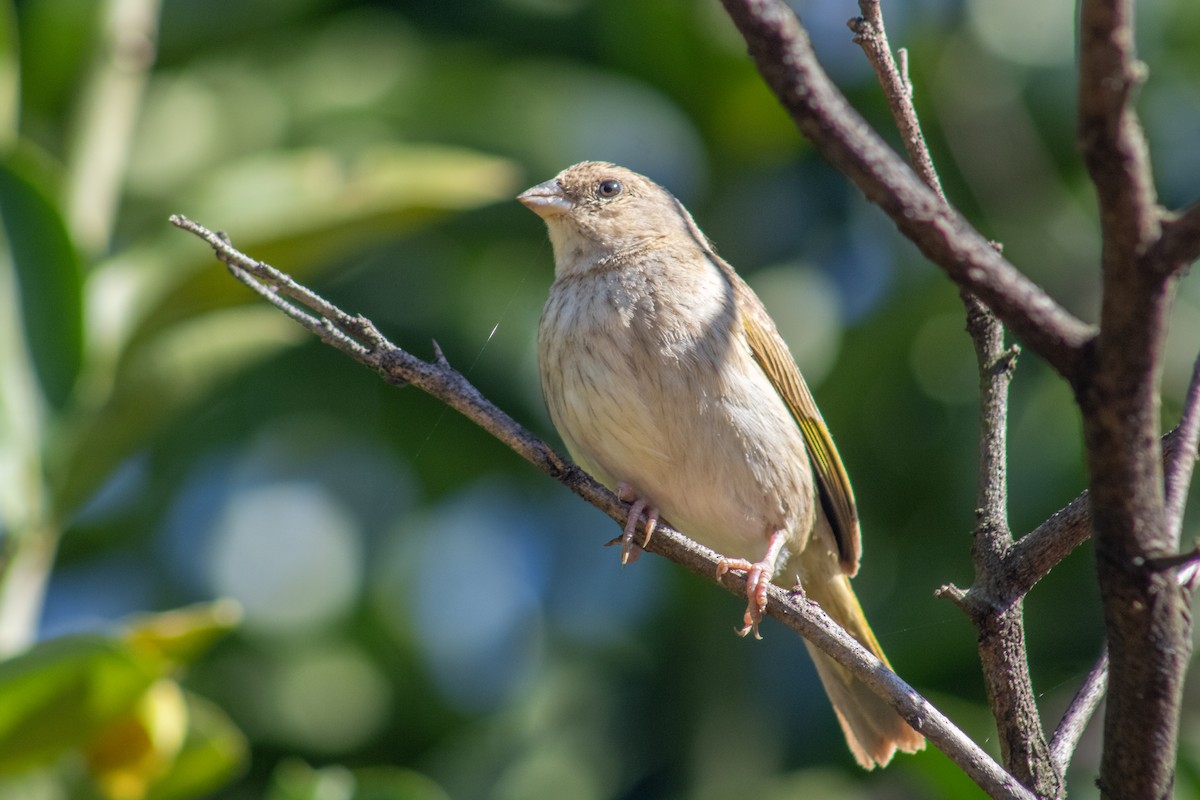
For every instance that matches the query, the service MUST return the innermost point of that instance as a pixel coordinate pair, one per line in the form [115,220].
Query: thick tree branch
[784,55]
[358,338]
[1110,135]
[1145,616]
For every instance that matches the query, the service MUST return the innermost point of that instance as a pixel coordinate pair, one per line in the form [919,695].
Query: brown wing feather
[772,354]
[837,497]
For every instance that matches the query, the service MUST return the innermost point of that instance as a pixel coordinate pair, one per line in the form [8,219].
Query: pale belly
[693,424]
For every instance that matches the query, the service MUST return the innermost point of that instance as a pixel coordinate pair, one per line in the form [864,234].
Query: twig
[1075,719]
[441,381]
[1177,472]
[1179,244]
[871,35]
[1043,548]
[784,55]
[1164,563]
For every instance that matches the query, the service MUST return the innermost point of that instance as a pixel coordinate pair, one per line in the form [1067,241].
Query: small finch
[670,384]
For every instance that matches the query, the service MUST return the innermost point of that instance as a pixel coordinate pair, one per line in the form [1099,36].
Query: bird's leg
[630,550]
[758,578]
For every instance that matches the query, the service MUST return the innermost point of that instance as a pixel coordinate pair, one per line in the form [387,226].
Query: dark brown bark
[783,53]
[1144,610]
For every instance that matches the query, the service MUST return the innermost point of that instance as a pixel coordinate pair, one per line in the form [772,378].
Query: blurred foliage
[105,710]
[424,615]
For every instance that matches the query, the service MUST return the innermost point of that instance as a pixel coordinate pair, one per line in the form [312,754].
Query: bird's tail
[873,729]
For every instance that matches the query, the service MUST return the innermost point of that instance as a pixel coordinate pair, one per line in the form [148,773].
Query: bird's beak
[546,199]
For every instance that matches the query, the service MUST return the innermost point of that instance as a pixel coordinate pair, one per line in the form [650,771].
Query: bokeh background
[237,564]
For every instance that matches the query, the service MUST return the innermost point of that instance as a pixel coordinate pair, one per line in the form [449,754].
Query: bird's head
[596,211]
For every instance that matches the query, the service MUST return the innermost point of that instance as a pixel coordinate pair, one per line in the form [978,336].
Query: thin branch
[1003,653]
[784,55]
[1077,716]
[871,35]
[440,380]
[1179,245]
[1177,475]
[1039,551]
[1175,561]
[1036,553]
[354,336]
[902,60]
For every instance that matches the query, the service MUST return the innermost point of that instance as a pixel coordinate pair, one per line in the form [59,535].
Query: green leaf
[213,753]
[49,278]
[125,757]
[57,695]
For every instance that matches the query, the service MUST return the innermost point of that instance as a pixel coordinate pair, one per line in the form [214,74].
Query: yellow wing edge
[833,484]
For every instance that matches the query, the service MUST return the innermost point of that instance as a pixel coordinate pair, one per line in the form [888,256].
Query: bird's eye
[609,187]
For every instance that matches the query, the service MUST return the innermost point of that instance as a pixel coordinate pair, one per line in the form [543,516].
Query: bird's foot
[631,550]
[758,578]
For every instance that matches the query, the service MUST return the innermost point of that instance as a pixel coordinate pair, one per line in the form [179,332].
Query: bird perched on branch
[670,384]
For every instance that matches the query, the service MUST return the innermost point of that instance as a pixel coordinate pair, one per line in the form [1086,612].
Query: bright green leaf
[213,753]
[57,695]
[133,751]
[21,413]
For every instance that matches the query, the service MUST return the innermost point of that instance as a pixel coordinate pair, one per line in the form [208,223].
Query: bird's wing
[837,498]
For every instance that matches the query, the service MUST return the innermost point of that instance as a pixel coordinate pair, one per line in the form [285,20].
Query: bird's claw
[758,577]
[631,550]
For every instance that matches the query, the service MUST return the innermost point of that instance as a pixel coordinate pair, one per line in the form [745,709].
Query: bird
[669,383]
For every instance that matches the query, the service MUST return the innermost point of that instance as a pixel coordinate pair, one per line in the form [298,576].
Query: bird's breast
[653,384]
